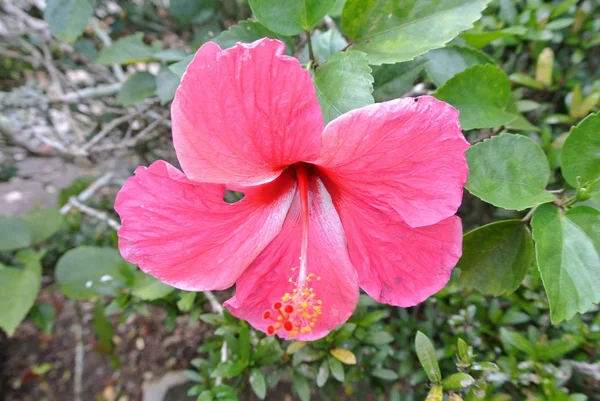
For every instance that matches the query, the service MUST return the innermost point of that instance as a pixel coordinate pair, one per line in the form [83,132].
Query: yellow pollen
[298,311]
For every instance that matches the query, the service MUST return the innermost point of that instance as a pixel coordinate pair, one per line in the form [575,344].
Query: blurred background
[85,89]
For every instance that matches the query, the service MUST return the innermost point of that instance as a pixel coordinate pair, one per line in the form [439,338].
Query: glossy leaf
[496,257]
[258,384]
[301,387]
[337,369]
[15,233]
[580,155]
[394,31]
[136,89]
[128,50]
[384,374]
[67,19]
[290,17]
[323,373]
[148,288]
[167,83]
[458,381]
[509,171]
[427,357]
[480,39]
[394,80]
[567,247]
[481,93]
[325,44]
[87,271]
[344,83]
[443,64]
[19,288]
[248,31]
[43,224]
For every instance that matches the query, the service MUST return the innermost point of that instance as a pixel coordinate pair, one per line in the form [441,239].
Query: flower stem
[311,55]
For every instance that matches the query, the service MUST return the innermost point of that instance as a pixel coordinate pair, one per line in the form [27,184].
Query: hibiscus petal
[267,279]
[184,233]
[242,114]
[407,154]
[397,264]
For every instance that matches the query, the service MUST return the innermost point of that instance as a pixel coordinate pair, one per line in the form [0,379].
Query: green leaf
[248,31]
[258,384]
[170,55]
[323,373]
[103,329]
[137,88]
[337,369]
[15,233]
[301,387]
[86,272]
[393,31]
[509,171]
[513,340]
[148,288]
[184,11]
[384,374]
[443,64]
[344,83]
[378,338]
[167,83]
[567,247]
[67,18]
[206,395]
[128,50]
[525,80]
[480,39]
[394,80]
[481,93]
[18,290]
[427,357]
[43,224]
[186,301]
[43,315]
[229,369]
[325,44]
[580,156]
[496,257]
[294,347]
[458,381]
[290,17]
[179,67]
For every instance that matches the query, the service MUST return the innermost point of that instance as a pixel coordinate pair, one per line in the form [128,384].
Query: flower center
[298,310]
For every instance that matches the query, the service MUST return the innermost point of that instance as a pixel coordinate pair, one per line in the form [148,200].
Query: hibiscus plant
[365,199]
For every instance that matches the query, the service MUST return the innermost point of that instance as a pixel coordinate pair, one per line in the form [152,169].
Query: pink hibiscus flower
[368,201]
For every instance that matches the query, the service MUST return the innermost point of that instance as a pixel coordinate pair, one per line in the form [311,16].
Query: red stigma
[267,314]
[288,326]
[270,330]
[289,309]
[277,305]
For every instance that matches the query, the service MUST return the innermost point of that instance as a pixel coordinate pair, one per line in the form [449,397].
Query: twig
[105,38]
[95,91]
[106,130]
[528,215]
[79,354]
[217,308]
[129,143]
[89,191]
[329,22]
[90,211]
